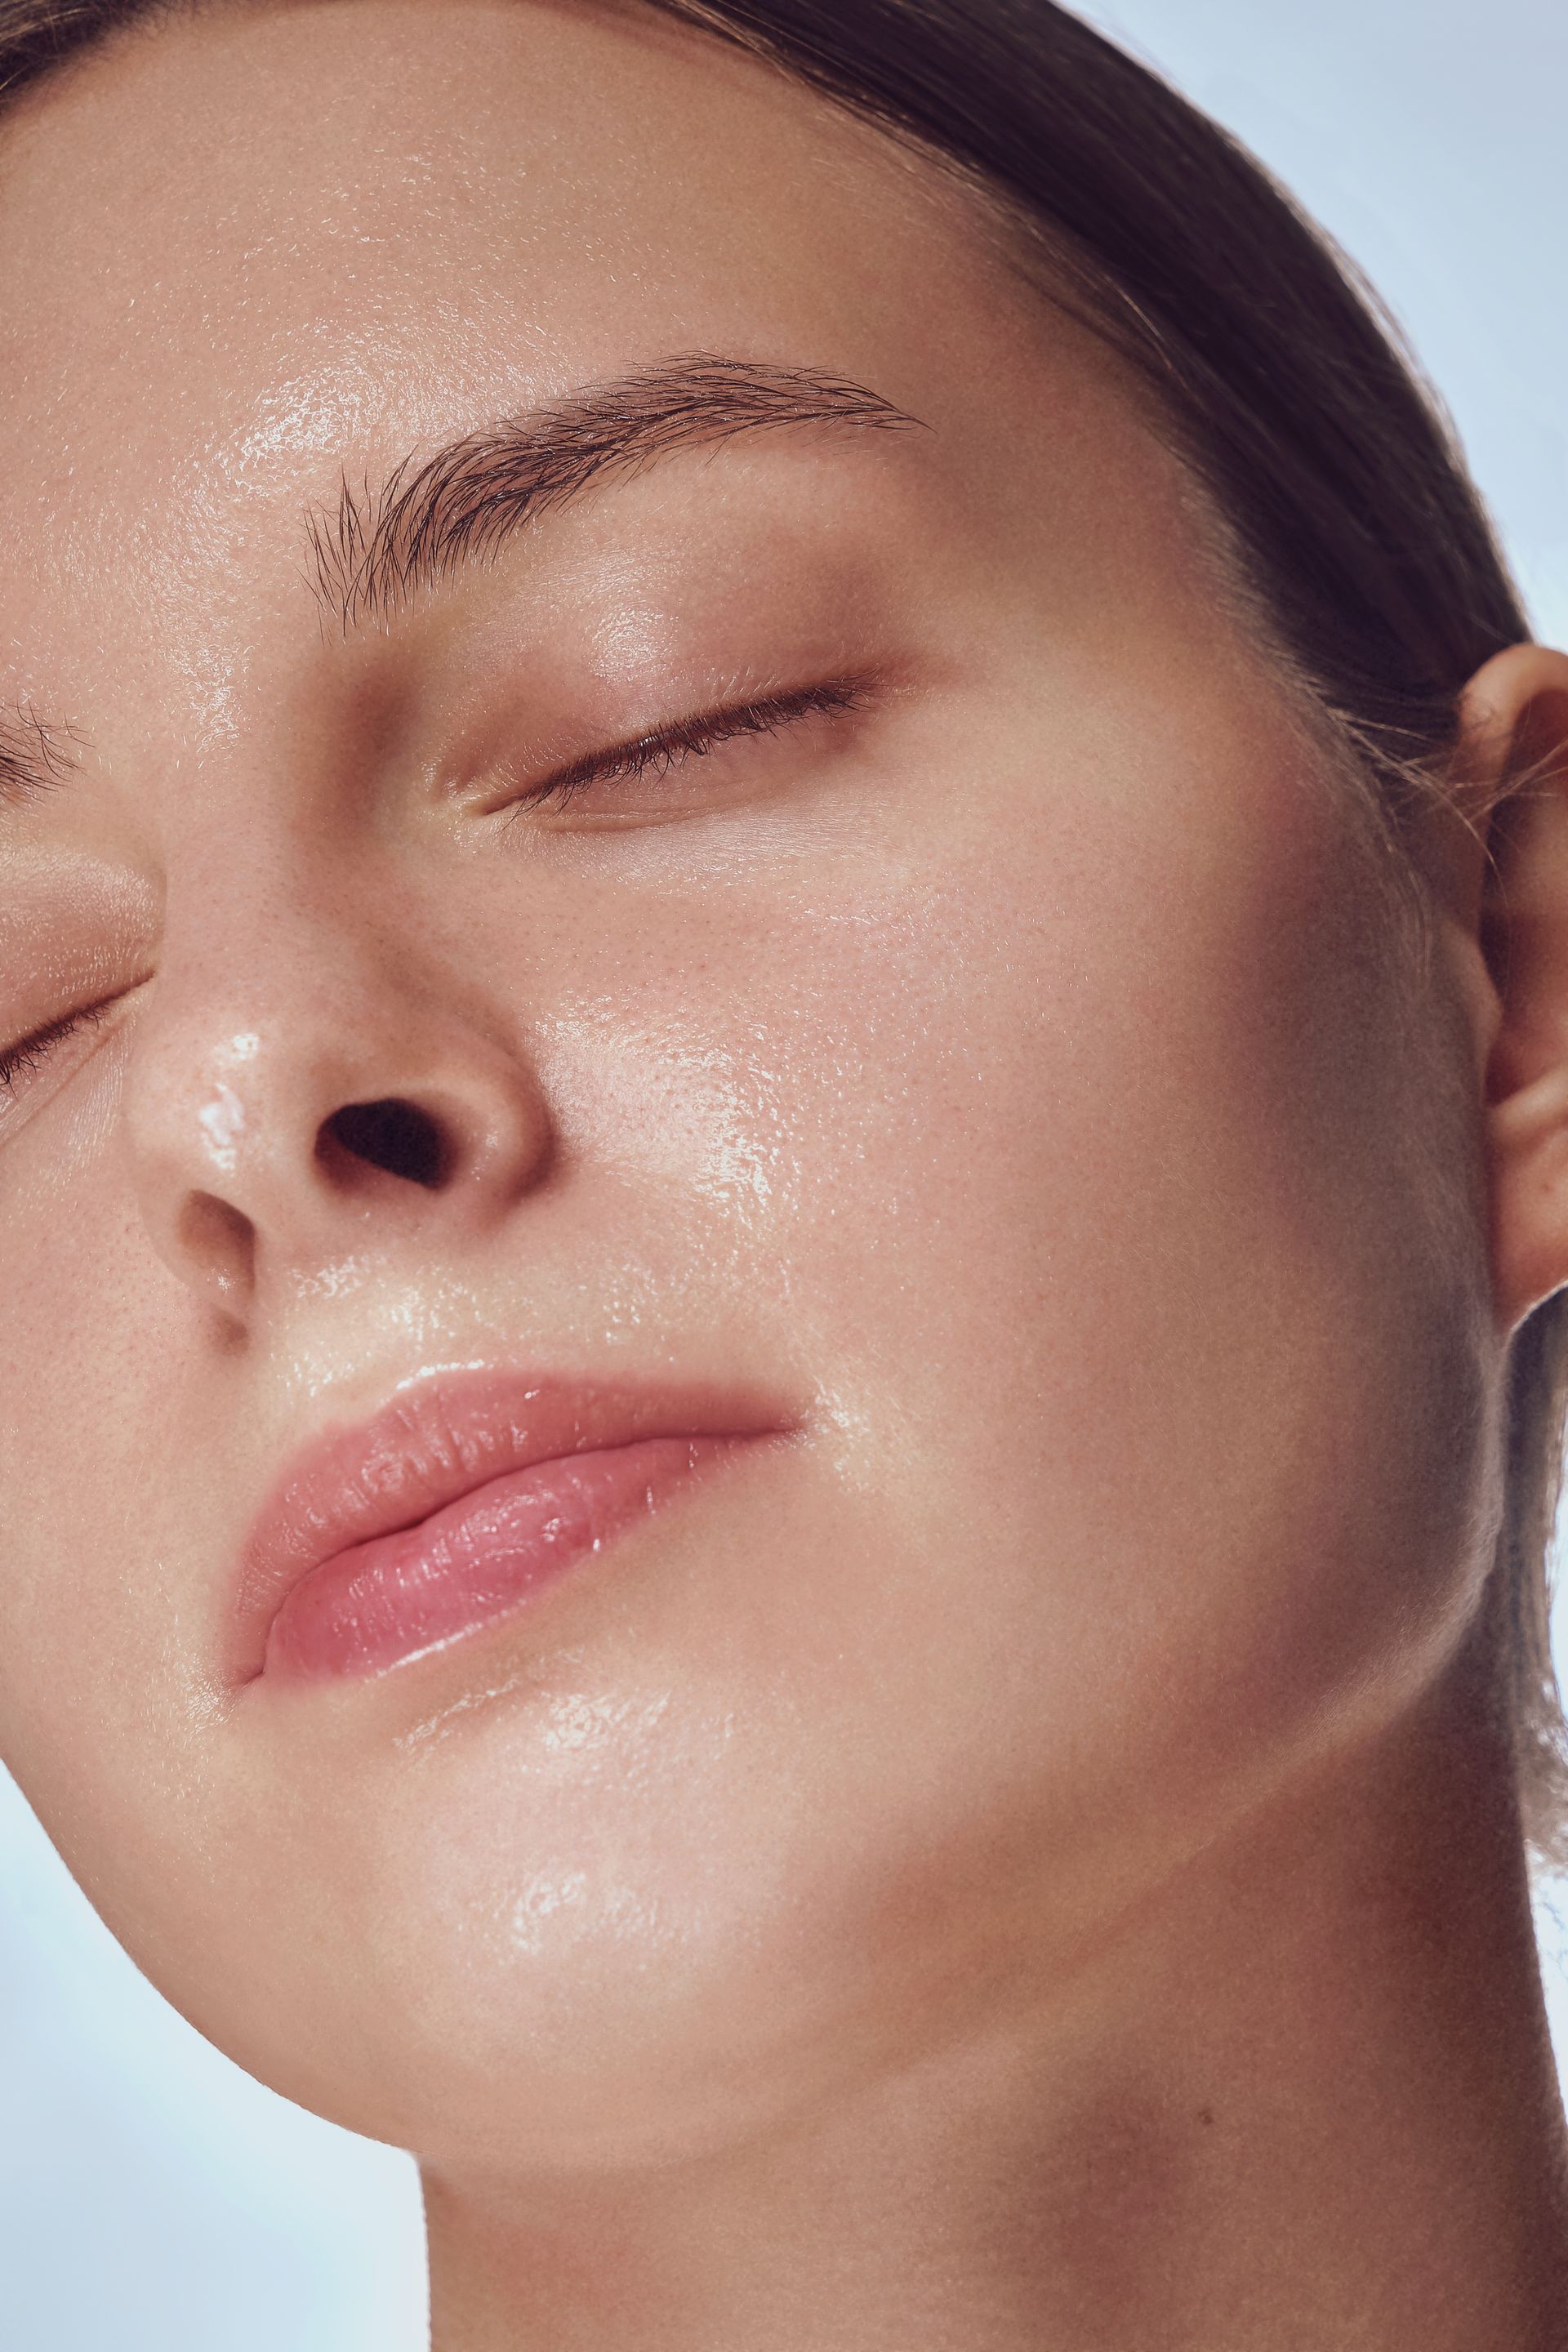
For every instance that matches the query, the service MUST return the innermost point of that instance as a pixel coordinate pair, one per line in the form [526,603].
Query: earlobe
[1513,757]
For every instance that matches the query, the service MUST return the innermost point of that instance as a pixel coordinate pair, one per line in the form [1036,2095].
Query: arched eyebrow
[461,505]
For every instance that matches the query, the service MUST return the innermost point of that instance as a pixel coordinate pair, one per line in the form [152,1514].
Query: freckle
[1206,2116]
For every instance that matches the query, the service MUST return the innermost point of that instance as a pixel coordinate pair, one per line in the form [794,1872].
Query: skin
[1028,1862]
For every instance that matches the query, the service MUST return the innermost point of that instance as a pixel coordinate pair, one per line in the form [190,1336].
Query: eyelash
[32,1052]
[664,747]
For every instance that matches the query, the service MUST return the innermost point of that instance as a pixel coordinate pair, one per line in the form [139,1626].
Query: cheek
[90,1327]
[1091,1173]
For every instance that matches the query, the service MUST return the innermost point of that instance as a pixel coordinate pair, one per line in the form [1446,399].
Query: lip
[458,1501]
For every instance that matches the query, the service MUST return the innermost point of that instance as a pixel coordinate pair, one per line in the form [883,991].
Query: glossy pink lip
[454,1504]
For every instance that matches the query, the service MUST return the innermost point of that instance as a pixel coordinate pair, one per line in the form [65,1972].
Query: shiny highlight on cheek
[673,1105]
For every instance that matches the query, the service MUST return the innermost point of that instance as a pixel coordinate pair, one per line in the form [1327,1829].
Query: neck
[1305,2098]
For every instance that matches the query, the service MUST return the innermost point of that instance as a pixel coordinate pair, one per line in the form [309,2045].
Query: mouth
[456,1505]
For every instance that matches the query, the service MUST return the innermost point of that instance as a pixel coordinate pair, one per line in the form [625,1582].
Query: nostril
[393,1135]
[221,1240]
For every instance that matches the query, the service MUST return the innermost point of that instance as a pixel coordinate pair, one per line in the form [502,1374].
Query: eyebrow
[371,554]
[35,758]
[377,549]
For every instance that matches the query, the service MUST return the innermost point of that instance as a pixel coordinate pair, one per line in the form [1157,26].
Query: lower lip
[478,1559]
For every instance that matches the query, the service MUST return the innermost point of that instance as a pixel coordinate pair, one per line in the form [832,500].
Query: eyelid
[27,1053]
[689,737]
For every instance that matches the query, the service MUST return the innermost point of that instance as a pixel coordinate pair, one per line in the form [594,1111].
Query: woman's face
[984,1077]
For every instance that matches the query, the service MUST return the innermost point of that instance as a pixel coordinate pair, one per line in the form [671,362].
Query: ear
[1513,754]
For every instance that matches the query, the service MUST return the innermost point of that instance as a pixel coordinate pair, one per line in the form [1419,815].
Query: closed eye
[663,749]
[30,1057]
[30,1052]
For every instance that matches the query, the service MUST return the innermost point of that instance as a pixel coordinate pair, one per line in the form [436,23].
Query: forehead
[272,189]
[231,244]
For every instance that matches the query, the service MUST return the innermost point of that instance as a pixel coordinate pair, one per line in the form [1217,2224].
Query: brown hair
[1361,541]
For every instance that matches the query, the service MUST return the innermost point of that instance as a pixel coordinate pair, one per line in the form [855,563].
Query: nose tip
[298,1165]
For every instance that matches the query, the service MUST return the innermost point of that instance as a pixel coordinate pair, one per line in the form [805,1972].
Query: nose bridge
[303,1083]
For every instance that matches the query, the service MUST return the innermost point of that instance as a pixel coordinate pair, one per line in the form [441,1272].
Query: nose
[284,1114]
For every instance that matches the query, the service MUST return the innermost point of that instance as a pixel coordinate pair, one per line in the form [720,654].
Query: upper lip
[439,1439]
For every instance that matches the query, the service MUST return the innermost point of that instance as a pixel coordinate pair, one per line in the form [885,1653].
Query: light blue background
[153,2199]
